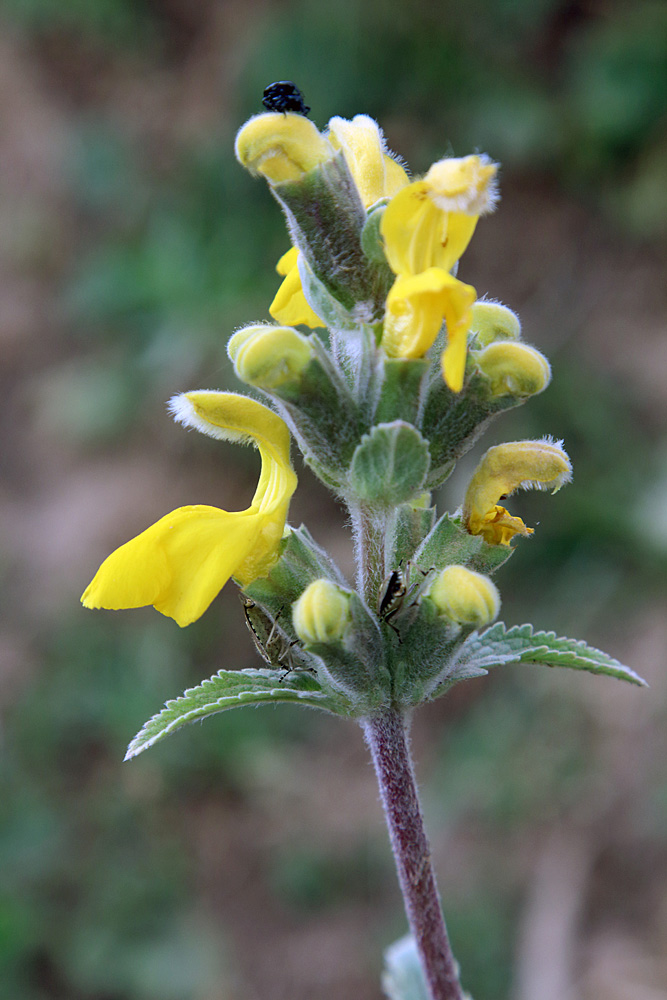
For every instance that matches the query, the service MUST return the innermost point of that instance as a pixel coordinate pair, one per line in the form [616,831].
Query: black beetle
[284,96]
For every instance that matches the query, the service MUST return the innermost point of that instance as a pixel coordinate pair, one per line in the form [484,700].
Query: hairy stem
[386,735]
[369,536]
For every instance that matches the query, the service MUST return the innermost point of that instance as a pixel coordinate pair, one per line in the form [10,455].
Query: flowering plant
[404,370]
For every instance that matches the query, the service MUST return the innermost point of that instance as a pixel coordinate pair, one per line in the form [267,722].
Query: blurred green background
[246,858]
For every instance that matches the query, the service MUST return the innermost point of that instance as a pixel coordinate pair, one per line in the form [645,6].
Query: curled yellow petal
[290,307]
[281,147]
[416,307]
[541,465]
[181,563]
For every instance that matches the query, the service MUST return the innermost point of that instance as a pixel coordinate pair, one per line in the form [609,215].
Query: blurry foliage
[175,248]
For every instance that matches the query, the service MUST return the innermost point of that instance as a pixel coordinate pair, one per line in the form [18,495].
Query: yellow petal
[287,261]
[178,565]
[289,306]
[375,173]
[416,307]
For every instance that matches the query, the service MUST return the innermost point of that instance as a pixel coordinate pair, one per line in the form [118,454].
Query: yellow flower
[281,147]
[182,562]
[290,307]
[430,222]
[416,306]
[376,174]
[541,465]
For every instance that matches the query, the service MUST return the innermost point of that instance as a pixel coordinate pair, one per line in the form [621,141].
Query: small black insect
[284,96]
[393,592]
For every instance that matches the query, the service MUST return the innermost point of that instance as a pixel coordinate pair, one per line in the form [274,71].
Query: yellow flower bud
[493,321]
[281,147]
[322,613]
[269,356]
[466,597]
[540,465]
[513,369]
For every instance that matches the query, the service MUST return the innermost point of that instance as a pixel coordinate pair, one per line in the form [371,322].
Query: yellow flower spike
[416,306]
[513,369]
[322,613]
[289,306]
[541,465]
[468,598]
[181,563]
[375,173]
[281,147]
[430,222]
[269,356]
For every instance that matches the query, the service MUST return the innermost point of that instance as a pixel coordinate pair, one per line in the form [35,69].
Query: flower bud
[513,369]
[269,356]
[493,321]
[281,147]
[540,465]
[468,598]
[322,613]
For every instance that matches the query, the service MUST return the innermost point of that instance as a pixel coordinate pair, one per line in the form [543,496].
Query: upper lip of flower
[181,562]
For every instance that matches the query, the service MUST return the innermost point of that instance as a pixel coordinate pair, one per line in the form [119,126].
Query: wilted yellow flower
[540,465]
[182,562]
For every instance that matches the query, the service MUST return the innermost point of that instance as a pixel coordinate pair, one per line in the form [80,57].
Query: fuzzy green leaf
[390,464]
[233,689]
[498,645]
[403,978]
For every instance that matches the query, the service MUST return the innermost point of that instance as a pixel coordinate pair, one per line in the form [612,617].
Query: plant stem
[369,530]
[386,735]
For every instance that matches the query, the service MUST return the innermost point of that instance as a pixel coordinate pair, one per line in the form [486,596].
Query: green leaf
[390,464]
[403,978]
[449,544]
[233,689]
[498,645]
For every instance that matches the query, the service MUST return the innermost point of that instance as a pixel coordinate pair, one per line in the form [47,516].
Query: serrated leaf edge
[244,696]
[478,650]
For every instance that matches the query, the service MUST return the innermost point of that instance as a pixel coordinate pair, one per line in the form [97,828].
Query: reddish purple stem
[386,735]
